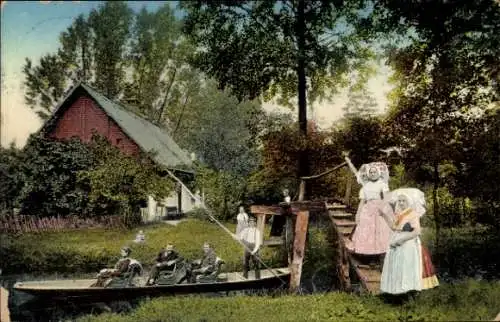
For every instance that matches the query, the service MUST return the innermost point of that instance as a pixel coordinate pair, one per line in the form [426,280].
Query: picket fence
[34,224]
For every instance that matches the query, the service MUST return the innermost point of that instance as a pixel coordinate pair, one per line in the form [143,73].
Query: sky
[30,29]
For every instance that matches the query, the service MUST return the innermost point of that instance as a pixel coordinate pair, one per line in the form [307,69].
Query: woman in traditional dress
[407,266]
[242,220]
[371,235]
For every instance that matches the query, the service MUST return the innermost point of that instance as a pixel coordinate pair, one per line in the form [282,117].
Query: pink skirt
[372,234]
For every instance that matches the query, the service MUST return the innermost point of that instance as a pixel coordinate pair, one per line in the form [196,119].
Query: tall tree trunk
[302,84]
[165,97]
[435,202]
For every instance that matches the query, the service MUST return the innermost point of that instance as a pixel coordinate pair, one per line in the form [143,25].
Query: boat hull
[80,290]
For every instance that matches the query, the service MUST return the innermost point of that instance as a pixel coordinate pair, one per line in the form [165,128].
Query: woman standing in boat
[371,235]
[407,266]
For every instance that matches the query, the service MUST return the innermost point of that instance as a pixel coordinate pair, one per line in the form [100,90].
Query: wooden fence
[33,224]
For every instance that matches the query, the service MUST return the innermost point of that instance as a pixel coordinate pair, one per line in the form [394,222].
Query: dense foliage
[443,115]
[59,178]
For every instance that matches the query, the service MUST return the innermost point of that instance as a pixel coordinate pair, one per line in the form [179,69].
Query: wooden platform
[343,222]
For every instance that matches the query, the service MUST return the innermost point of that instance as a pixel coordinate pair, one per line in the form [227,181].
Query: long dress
[406,267]
[242,222]
[371,235]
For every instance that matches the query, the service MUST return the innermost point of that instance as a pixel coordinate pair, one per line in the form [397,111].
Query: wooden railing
[303,180]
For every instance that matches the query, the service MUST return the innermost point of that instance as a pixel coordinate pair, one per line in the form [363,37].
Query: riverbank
[466,301]
[89,250]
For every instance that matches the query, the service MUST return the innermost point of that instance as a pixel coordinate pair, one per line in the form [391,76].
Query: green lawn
[465,301]
[92,249]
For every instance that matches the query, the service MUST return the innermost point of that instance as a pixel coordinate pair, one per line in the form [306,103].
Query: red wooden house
[85,110]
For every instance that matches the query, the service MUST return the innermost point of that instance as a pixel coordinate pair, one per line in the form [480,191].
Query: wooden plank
[4,305]
[308,205]
[265,210]
[343,255]
[335,206]
[346,231]
[273,242]
[344,222]
[261,223]
[298,249]
[369,277]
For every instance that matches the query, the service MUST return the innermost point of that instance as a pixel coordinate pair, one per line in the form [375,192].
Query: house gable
[85,110]
[80,116]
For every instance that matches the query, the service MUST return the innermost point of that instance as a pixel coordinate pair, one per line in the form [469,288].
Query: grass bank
[465,301]
[89,250]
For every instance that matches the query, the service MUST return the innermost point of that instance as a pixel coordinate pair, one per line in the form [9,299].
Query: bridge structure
[351,269]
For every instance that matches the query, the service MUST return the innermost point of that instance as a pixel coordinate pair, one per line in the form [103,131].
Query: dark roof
[145,134]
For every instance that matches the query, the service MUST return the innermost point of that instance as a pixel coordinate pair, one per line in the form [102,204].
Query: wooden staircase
[343,223]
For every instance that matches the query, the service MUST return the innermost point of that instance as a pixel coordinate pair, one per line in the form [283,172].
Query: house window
[118,141]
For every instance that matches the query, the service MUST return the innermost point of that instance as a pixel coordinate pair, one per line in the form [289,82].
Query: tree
[446,78]
[109,45]
[10,162]
[361,103]
[49,172]
[119,182]
[163,82]
[92,52]
[281,48]
[218,129]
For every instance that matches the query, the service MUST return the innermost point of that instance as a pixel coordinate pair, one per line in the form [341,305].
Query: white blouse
[372,190]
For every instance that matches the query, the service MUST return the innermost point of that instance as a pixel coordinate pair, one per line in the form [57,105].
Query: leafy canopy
[254,47]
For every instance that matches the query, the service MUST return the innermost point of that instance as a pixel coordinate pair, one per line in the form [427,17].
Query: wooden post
[4,305]
[261,223]
[289,240]
[348,189]
[302,190]
[298,249]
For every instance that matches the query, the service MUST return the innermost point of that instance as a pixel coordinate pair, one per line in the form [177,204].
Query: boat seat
[214,276]
[172,275]
[127,279]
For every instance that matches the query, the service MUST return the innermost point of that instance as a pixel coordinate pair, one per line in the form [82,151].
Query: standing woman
[407,265]
[242,220]
[371,235]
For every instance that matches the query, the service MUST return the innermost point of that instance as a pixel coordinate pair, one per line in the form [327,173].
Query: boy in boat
[251,238]
[165,259]
[120,267]
[207,264]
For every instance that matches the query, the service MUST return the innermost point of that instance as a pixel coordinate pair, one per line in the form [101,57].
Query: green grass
[466,301]
[90,250]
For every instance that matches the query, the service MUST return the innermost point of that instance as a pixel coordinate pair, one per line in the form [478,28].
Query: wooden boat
[81,290]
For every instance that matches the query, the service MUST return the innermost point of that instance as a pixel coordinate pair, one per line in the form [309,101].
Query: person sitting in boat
[407,266]
[207,265]
[371,234]
[165,260]
[251,239]
[120,268]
